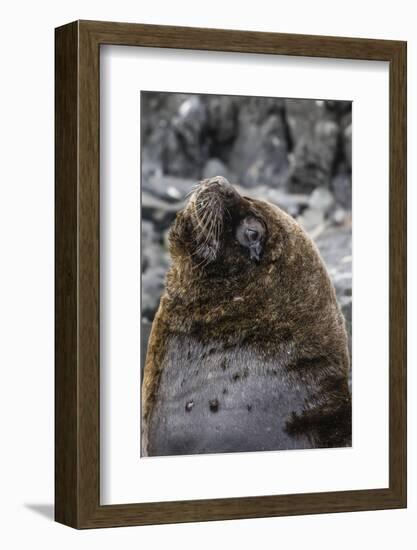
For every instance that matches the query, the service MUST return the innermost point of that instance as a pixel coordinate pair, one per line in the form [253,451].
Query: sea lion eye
[249,234]
[252,235]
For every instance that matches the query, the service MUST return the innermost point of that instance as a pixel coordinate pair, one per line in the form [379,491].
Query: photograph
[246,273]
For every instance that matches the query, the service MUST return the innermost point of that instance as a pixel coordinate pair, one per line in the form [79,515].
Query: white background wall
[26,272]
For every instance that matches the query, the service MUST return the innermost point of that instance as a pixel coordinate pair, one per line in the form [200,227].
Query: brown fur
[285,299]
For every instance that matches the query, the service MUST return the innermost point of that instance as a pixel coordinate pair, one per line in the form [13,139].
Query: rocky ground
[294,153]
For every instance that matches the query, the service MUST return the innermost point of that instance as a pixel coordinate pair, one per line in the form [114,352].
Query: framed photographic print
[230,274]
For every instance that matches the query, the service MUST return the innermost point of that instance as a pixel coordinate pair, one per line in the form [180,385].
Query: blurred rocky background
[294,153]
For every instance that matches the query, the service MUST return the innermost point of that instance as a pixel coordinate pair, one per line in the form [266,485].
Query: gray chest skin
[216,400]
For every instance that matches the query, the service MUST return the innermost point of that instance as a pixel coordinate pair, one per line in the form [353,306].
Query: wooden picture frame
[77,375]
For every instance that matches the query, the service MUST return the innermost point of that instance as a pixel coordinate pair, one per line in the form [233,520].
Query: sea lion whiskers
[213,222]
[202,207]
[201,203]
[207,209]
[205,221]
[209,247]
[192,190]
[209,213]
[205,205]
[208,236]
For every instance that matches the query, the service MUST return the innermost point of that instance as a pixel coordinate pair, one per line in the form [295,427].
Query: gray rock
[302,116]
[311,218]
[347,145]
[157,109]
[168,188]
[149,244]
[222,118]
[259,154]
[215,167]
[314,135]
[321,199]
[342,190]
[339,216]
[175,160]
[338,107]
[326,135]
[154,145]
[335,247]
[149,235]
[345,303]
[255,110]
[189,123]
[159,212]
[342,280]
[151,168]
[154,256]
[314,157]
[152,287]
[183,147]
[293,203]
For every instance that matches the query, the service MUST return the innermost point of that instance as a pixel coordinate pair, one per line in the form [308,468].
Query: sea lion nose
[221,181]
[225,188]
[231,196]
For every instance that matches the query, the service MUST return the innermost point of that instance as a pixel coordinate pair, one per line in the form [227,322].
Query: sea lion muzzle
[220,185]
[217,208]
[211,209]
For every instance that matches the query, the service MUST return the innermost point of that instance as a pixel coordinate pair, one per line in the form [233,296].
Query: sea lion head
[220,229]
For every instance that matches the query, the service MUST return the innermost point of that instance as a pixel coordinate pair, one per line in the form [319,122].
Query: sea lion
[248,349]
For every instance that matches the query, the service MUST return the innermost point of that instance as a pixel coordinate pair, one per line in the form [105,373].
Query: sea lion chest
[212,399]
